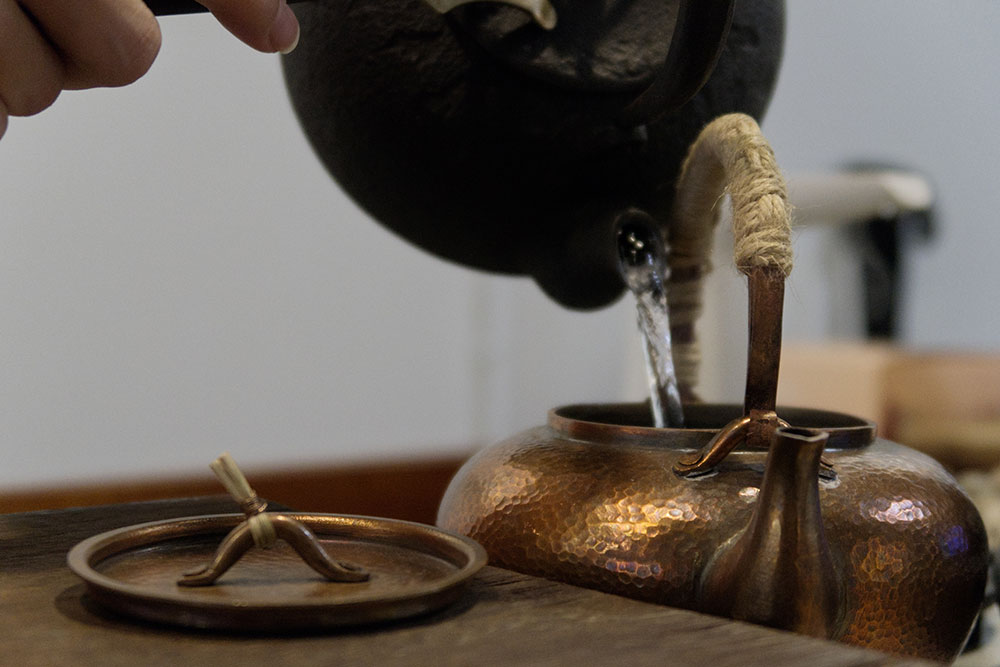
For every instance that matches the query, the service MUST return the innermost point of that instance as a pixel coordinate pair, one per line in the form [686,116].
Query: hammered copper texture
[612,515]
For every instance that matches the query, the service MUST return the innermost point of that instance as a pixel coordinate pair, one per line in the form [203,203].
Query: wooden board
[506,619]
[405,489]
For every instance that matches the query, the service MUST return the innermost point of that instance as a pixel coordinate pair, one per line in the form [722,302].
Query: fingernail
[285,30]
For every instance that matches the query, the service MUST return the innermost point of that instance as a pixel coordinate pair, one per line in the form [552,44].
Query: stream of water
[642,262]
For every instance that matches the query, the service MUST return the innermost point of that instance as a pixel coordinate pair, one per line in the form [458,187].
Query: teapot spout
[779,570]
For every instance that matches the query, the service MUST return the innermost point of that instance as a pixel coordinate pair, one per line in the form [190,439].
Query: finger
[31,72]
[3,119]
[266,25]
[102,42]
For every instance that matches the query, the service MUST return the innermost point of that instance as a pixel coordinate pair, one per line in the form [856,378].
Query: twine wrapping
[730,156]
[232,478]
[262,530]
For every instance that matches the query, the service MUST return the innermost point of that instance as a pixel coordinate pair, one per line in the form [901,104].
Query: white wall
[913,84]
[177,272]
[916,84]
[179,276]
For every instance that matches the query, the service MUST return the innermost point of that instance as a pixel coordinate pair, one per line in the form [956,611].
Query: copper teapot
[800,519]
[488,140]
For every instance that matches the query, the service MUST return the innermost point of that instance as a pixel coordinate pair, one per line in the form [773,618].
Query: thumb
[266,25]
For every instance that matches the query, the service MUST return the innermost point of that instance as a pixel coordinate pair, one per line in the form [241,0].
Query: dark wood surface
[505,619]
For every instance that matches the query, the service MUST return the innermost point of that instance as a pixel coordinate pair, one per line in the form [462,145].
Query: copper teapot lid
[364,569]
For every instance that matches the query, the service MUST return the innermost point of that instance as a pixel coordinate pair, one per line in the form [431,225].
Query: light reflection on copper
[899,510]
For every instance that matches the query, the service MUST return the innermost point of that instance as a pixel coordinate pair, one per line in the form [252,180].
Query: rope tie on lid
[232,478]
[263,529]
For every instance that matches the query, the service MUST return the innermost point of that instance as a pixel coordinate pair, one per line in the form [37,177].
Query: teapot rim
[632,422]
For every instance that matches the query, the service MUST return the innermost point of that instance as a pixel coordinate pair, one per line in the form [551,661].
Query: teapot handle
[732,156]
[699,36]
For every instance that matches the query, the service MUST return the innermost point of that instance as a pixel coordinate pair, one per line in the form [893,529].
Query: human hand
[47,46]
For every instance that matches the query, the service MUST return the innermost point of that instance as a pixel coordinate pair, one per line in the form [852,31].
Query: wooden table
[505,619]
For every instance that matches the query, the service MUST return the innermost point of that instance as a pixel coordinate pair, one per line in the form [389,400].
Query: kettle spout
[779,571]
[541,10]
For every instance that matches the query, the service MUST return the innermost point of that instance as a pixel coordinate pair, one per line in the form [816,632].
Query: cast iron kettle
[490,141]
[796,518]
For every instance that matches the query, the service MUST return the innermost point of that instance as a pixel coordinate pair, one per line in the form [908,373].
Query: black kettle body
[496,153]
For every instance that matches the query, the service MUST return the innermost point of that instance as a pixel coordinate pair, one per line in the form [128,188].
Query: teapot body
[593,500]
[504,166]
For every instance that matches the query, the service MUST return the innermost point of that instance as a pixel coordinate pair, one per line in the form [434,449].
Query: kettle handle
[699,36]
[732,156]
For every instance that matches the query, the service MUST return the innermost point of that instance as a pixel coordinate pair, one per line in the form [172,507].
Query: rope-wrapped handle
[730,156]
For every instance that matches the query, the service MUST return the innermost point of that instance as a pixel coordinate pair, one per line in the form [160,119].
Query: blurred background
[179,276]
